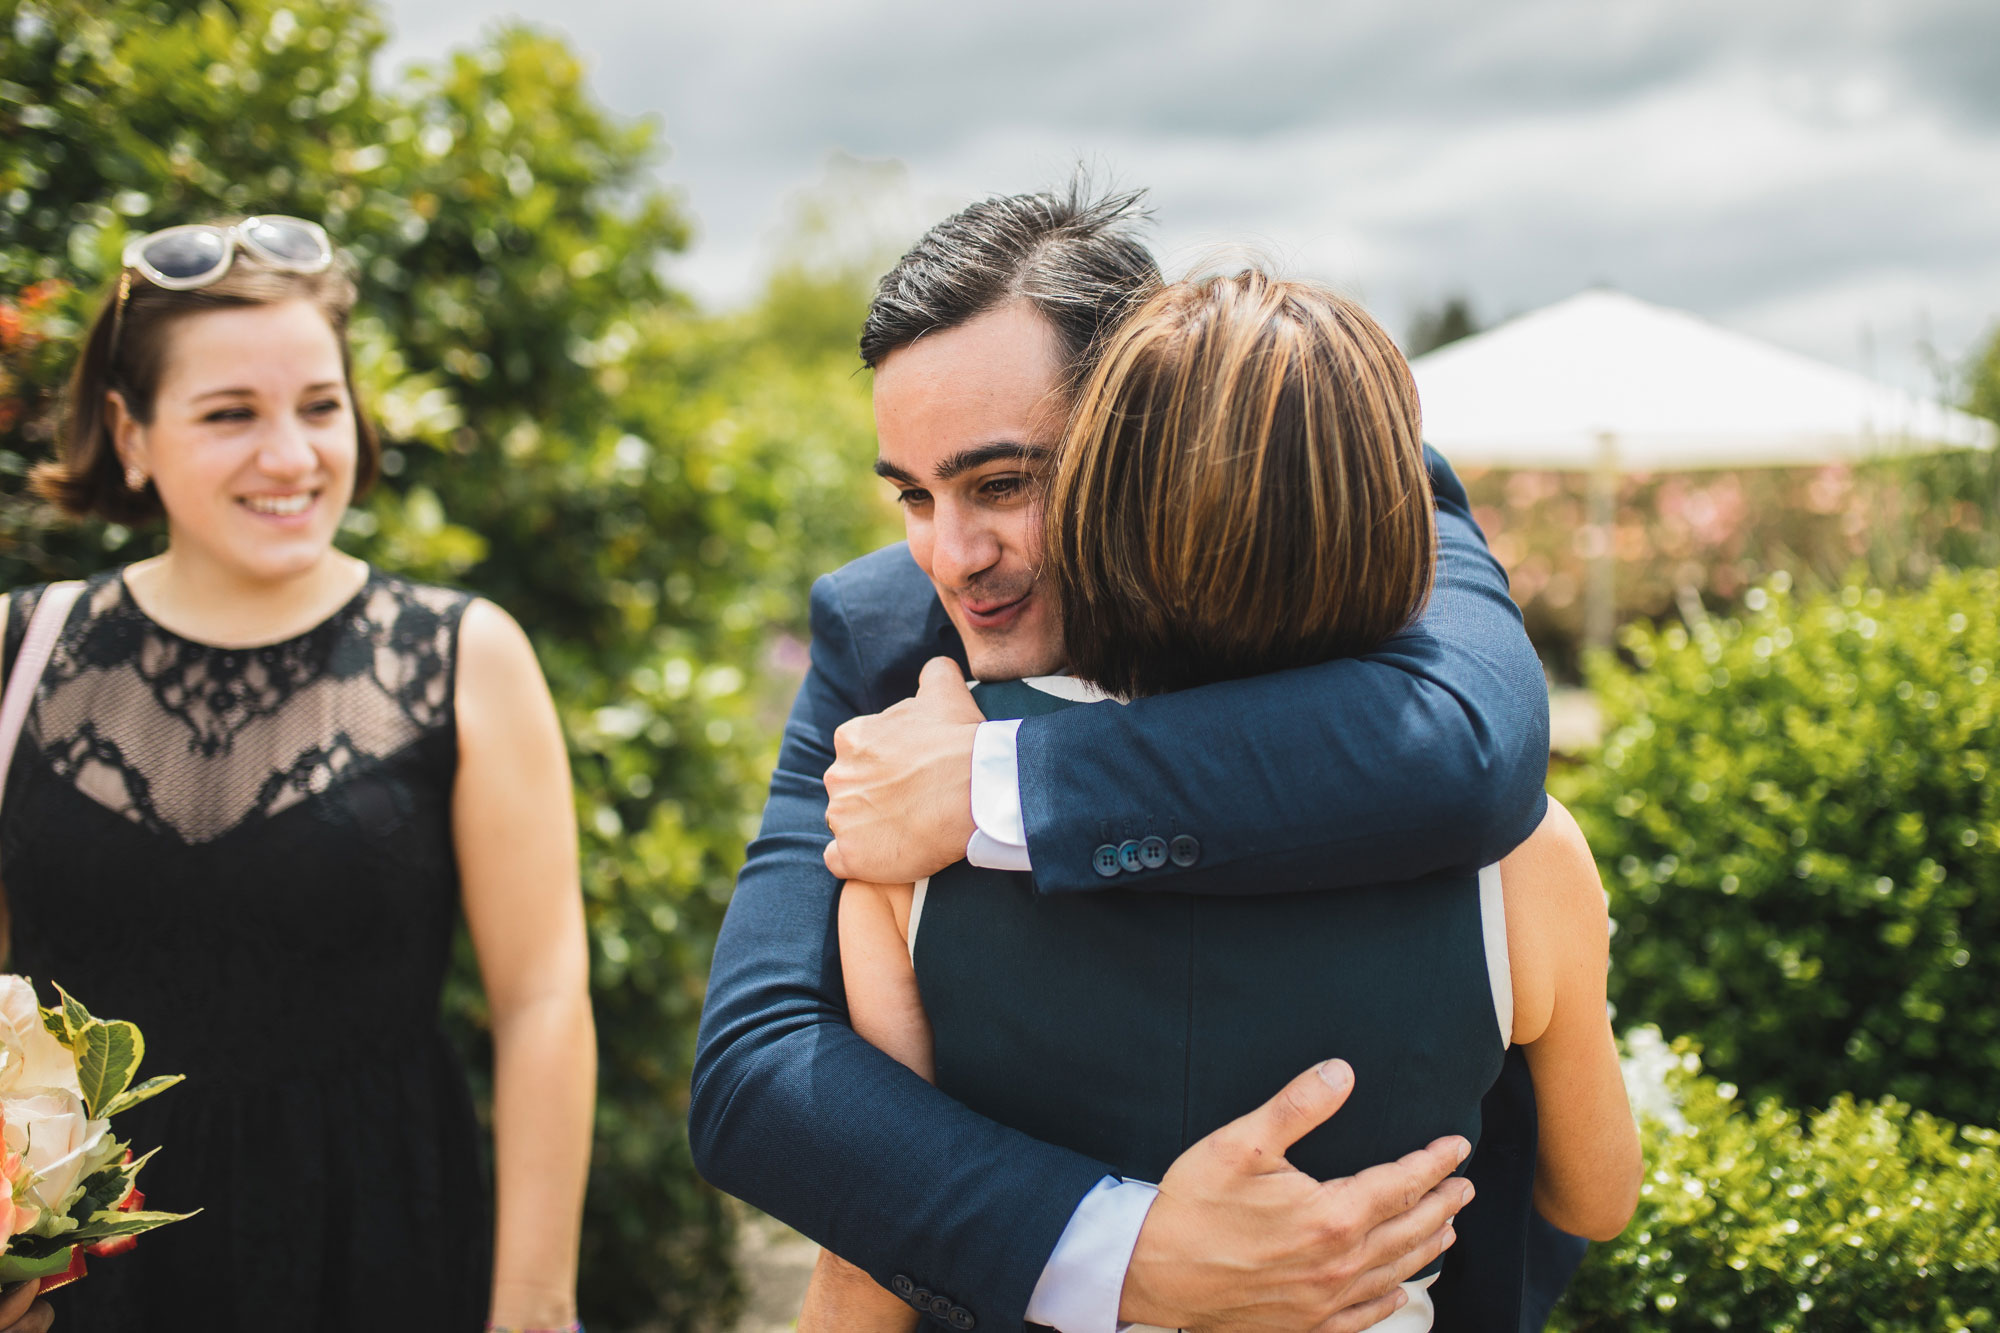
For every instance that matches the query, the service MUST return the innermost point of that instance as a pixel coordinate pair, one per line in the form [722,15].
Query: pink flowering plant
[68,1185]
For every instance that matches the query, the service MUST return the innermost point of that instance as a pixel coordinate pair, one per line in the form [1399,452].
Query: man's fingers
[1357,1317]
[941,679]
[1396,1187]
[1301,1106]
[834,862]
[1389,1277]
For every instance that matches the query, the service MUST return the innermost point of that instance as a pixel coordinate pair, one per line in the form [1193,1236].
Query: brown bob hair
[86,477]
[1242,489]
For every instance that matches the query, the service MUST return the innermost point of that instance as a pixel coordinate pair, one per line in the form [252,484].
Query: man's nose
[962,547]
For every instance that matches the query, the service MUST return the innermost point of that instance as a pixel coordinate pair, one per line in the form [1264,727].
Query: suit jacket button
[921,1298]
[941,1306]
[960,1317]
[1153,853]
[902,1286]
[1129,857]
[1184,850]
[1105,861]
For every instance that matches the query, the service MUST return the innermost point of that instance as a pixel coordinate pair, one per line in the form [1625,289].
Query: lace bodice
[189,740]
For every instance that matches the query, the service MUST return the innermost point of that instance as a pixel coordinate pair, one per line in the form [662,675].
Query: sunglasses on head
[181,259]
[184,258]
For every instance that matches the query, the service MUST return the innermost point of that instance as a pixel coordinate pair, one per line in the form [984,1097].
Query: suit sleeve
[794,1113]
[1426,754]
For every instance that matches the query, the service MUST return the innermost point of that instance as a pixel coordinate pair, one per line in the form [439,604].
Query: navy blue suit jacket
[1429,752]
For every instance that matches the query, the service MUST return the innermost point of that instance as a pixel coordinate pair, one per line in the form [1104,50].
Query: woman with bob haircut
[257,784]
[1241,490]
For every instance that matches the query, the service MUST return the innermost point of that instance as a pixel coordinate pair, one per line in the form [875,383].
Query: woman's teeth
[281,506]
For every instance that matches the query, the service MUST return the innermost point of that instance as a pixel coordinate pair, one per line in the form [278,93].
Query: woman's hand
[20,1312]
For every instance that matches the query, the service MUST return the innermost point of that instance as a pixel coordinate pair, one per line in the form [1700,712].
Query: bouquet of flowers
[67,1186]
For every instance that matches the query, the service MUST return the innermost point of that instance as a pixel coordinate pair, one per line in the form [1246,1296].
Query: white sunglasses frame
[234,237]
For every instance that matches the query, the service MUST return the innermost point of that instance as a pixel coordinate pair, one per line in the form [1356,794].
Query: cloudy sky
[1823,173]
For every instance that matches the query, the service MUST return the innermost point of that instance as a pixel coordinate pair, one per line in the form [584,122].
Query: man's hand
[899,793]
[20,1312]
[1239,1239]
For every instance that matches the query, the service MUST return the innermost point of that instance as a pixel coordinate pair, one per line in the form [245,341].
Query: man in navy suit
[1427,753]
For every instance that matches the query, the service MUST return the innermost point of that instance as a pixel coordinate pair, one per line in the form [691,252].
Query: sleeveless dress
[1128,1025]
[248,853]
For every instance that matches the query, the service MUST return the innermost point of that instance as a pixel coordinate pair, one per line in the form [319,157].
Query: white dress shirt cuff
[1080,1289]
[1000,833]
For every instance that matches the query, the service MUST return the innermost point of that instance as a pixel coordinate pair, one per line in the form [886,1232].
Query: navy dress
[1126,1026]
[248,853]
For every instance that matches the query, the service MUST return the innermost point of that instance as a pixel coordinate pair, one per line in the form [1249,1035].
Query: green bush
[1800,832]
[1864,1216]
[648,489]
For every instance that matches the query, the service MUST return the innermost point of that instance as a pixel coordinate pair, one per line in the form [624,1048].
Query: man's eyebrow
[884,468]
[980,455]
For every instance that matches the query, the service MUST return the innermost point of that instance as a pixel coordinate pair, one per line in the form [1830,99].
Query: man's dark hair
[1077,259]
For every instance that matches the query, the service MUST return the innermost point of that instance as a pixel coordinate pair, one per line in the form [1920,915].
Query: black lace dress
[248,852]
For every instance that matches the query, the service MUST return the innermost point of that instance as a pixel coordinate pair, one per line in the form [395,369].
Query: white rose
[58,1142]
[29,1056]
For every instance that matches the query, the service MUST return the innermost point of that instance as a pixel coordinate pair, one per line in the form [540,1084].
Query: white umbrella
[1604,382]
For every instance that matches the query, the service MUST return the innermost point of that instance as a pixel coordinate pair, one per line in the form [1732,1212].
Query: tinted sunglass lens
[186,254]
[286,239]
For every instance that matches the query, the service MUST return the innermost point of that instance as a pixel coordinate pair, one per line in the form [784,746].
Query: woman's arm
[1587,1164]
[885,1008]
[515,834]
[883,1002]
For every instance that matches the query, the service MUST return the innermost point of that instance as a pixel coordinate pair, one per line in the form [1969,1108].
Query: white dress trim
[1069,687]
[917,895]
[1499,970]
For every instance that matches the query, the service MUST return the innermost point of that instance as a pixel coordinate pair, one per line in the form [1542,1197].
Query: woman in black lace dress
[258,782]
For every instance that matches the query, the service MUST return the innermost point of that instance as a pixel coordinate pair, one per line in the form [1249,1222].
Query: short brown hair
[1242,489]
[85,477]
[1073,254]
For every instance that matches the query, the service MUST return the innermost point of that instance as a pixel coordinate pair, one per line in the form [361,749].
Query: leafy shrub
[1800,832]
[1865,1216]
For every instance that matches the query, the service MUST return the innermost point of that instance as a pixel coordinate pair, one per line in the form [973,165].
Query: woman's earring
[135,478]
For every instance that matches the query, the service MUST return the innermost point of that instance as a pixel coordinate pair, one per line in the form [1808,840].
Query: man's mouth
[994,614]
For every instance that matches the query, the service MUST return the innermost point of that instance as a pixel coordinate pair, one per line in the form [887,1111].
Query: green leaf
[109,1223]
[20,1268]
[108,1057]
[151,1088]
[75,1019]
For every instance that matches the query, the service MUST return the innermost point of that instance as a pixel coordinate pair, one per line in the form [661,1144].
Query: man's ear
[128,434]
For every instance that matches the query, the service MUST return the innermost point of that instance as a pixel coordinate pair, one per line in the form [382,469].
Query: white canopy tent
[1606,383]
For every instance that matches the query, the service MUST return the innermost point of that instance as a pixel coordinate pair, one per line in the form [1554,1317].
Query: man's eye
[1001,488]
[912,497]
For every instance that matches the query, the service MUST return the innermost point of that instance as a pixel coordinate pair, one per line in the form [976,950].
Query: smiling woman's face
[252,446]
[968,420]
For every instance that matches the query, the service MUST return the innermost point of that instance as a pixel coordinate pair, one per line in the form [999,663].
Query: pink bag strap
[44,628]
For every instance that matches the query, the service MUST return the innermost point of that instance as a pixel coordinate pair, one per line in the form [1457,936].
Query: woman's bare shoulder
[1556,917]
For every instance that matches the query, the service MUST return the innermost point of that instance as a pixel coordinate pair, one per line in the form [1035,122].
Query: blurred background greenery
[1797,714]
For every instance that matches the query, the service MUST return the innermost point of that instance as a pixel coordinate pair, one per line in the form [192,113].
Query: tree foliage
[1798,824]
[647,488]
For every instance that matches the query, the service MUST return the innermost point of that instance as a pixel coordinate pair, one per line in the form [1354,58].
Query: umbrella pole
[1600,606]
